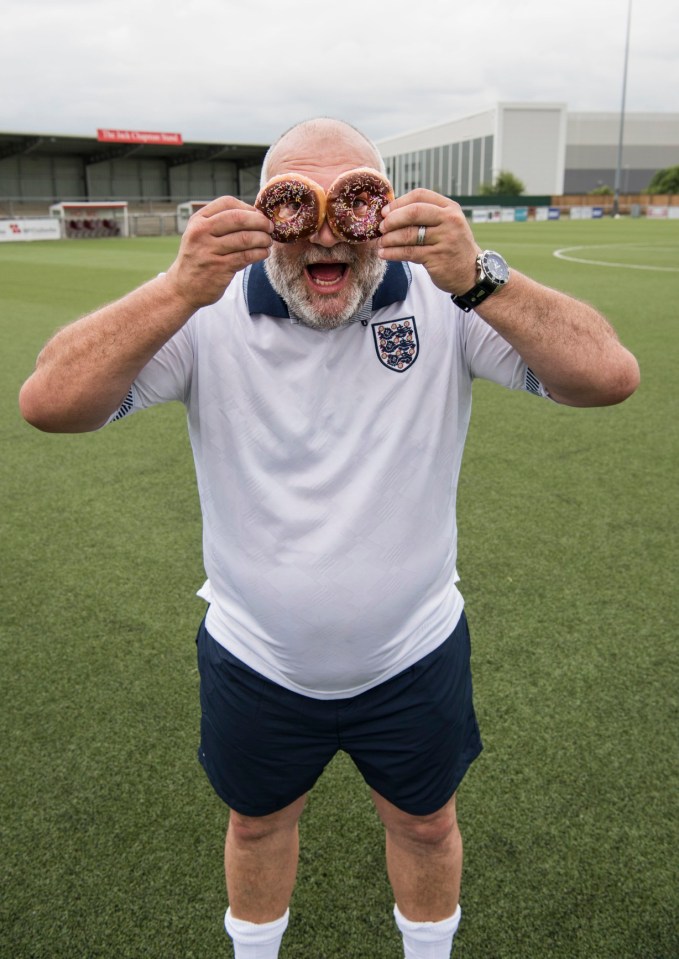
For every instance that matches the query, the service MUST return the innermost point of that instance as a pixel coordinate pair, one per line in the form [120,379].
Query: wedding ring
[421,232]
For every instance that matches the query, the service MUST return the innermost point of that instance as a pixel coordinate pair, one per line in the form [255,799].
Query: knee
[249,830]
[432,830]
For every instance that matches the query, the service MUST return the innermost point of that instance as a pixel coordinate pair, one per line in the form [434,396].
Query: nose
[324,237]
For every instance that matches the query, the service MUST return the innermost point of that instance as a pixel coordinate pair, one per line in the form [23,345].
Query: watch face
[494,267]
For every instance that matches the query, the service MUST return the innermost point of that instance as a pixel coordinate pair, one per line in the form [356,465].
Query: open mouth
[326,277]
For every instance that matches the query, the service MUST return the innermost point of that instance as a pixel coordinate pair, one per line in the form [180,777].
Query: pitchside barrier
[90,220]
[541,214]
[663,212]
[29,228]
[586,212]
[508,214]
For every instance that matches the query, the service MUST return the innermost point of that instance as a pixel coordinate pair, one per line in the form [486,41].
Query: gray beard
[286,277]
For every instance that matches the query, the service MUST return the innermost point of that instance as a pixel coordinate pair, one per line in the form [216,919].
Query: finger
[229,218]
[418,196]
[246,219]
[424,208]
[242,241]
[411,236]
[414,243]
[208,238]
[402,254]
[421,214]
[237,260]
[228,214]
[407,220]
[222,203]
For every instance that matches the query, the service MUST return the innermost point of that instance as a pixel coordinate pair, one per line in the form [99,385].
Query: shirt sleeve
[490,357]
[166,377]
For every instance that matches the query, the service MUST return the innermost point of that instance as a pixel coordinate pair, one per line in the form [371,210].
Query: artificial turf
[111,836]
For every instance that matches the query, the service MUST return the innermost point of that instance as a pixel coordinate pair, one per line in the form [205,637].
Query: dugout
[39,170]
[88,220]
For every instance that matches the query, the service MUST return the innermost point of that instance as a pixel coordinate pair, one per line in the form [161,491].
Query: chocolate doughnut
[294,204]
[354,202]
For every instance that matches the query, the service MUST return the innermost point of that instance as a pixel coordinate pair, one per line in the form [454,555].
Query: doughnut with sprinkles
[354,202]
[295,205]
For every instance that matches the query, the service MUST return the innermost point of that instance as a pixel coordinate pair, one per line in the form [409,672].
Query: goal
[91,220]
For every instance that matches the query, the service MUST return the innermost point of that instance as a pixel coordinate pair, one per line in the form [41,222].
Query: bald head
[323,142]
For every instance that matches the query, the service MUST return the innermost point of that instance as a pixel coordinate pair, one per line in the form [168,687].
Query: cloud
[221,69]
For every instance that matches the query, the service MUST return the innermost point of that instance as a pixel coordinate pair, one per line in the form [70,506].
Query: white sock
[427,940]
[256,940]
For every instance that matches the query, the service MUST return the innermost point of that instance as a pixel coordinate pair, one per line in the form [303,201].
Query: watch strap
[467,301]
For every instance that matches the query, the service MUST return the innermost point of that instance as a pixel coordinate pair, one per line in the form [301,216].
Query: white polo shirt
[327,467]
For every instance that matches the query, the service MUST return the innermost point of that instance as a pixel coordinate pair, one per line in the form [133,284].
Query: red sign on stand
[140,136]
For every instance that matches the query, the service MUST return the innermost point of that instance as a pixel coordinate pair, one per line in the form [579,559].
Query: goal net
[92,220]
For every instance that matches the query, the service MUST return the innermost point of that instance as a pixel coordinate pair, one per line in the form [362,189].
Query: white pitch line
[561,255]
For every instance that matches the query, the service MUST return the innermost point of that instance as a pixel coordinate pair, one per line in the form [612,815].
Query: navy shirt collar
[261,297]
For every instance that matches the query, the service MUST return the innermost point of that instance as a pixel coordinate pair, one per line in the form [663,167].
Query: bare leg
[260,862]
[424,860]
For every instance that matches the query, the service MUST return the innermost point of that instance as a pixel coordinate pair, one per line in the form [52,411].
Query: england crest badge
[397,343]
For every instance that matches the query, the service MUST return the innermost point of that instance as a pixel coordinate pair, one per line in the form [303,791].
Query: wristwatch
[492,273]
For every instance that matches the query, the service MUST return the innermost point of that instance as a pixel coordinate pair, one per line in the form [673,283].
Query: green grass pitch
[112,838]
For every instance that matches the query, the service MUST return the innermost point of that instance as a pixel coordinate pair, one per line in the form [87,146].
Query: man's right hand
[220,239]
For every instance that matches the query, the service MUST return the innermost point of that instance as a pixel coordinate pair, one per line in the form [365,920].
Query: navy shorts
[412,737]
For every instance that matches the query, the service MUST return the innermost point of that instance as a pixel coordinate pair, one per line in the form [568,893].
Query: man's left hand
[447,250]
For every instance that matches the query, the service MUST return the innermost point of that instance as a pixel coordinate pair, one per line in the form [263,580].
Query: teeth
[319,278]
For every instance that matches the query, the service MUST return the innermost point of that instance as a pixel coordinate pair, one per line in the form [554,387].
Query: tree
[665,181]
[506,184]
[603,190]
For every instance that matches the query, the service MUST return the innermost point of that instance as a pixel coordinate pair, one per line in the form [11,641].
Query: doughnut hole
[287,211]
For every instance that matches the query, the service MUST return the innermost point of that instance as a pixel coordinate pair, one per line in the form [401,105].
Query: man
[328,389]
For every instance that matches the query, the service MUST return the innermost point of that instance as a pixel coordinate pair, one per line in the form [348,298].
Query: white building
[549,149]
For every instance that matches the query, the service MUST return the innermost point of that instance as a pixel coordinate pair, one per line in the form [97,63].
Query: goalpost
[90,220]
